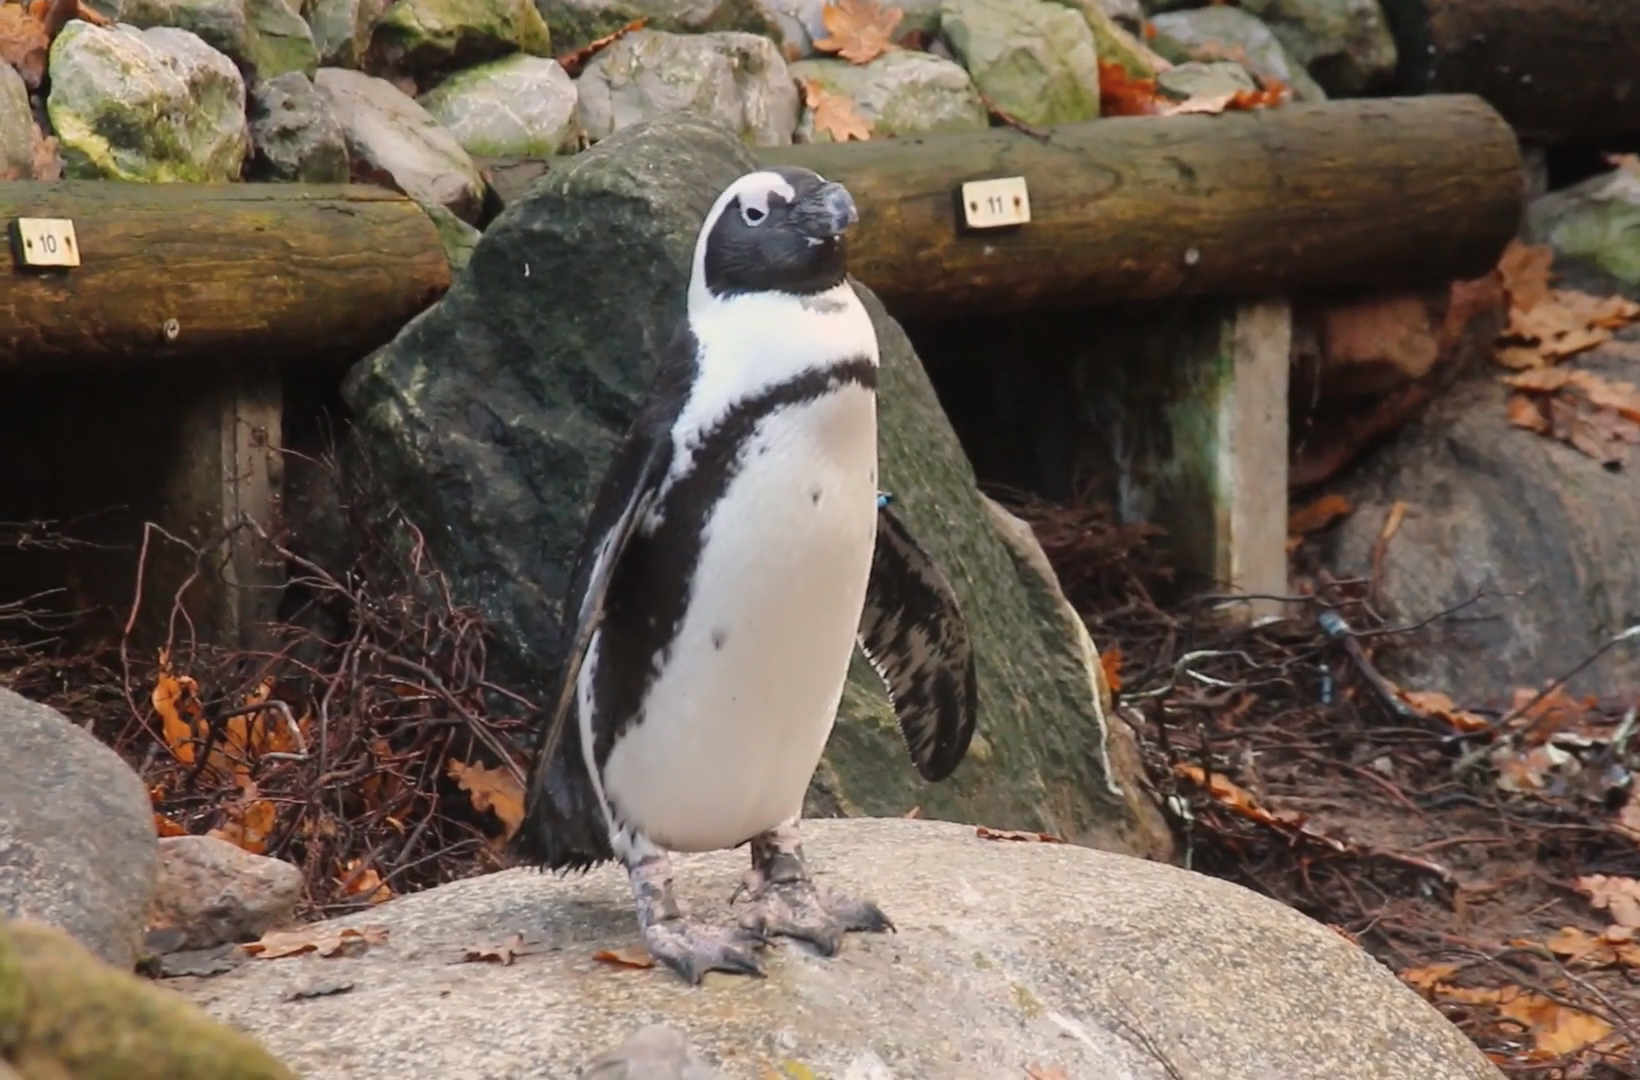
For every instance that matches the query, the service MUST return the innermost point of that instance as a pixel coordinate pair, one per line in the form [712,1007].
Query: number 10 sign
[992,204]
[45,242]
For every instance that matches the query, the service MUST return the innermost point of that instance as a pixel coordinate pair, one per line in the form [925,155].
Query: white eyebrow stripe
[753,189]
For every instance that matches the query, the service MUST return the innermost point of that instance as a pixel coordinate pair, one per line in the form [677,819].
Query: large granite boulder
[576,22]
[492,416]
[1550,536]
[1010,960]
[1594,227]
[146,105]
[736,78]
[1036,60]
[899,93]
[77,844]
[264,37]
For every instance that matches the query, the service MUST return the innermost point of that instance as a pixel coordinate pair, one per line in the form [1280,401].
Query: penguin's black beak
[824,213]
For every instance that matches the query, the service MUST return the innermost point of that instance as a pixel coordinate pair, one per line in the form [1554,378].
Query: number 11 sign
[992,204]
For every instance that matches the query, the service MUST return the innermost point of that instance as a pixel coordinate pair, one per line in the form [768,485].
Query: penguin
[737,552]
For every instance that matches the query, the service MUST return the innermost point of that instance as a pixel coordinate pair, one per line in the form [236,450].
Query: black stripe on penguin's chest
[649,592]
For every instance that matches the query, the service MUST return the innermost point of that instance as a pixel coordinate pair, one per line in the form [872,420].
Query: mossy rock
[65,1015]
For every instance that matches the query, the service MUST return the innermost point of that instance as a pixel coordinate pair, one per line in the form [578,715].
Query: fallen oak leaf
[319,938]
[629,956]
[495,790]
[1524,413]
[1110,665]
[1619,896]
[834,114]
[1047,1072]
[1123,94]
[1433,703]
[573,62]
[502,954]
[858,30]
[985,833]
[24,43]
[1317,515]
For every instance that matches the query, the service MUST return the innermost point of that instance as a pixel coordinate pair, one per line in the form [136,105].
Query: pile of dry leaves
[1489,856]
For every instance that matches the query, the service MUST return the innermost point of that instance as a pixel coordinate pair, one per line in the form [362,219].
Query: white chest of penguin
[737,719]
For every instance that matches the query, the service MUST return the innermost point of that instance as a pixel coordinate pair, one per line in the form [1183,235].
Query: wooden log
[1553,68]
[214,272]
[1343,194]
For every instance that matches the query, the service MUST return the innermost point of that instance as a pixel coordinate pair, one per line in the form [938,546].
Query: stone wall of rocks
[415,94]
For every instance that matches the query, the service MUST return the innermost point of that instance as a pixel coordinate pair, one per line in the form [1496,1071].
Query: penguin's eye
[753,215]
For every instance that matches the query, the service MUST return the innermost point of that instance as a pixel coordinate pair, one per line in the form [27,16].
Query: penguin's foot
[786,902]
[686,945]
[692,948]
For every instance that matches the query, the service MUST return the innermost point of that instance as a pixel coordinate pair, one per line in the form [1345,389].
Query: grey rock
[1035,60]
[387,130]
[901,93]
[576,22]
[532,366]
[216,893]
[152,105]
[1594,227]
[427,36]
[1006,955]
[1550,535]
[76,832]
[653,1052]
[341,29]
[264,37]
[1345,44]
[802,23]
[1199,80]
[17,130]
[458,237]
[1228,33]
[521,106]
[738,79]
[294,134]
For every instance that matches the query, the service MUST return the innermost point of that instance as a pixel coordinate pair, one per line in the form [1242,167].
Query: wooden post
[1174,413]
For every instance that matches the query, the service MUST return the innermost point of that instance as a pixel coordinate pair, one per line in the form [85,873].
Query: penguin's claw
[796,909]
[692,948]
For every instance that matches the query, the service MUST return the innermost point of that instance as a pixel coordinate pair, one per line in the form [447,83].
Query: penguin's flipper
[564,826]
[914,634]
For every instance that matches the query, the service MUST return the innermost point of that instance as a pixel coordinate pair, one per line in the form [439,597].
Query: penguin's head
[779,229]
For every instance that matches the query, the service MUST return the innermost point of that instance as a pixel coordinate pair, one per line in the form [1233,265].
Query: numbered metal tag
[46,242]
[993,204]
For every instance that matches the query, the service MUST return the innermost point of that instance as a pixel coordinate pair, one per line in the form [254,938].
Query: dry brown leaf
[914,812]
[1235,797]
[1440,706]
[1556,1029]
[1629,163]
[250,820]
[164,826]
[1210,106]
[1317,515]
[323,940]
[631,956]
[1525,272]
[502,954]
[1427,978]
[1619,396]
[834,114]
[1110,664]
[1545,380]
[1619,896]
[176,699]
[858,30]
[367,884]
[573,62]
[987,833]
[1519,357]
[1047,1072]
[24,43]
[496,790]
[1524,413]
